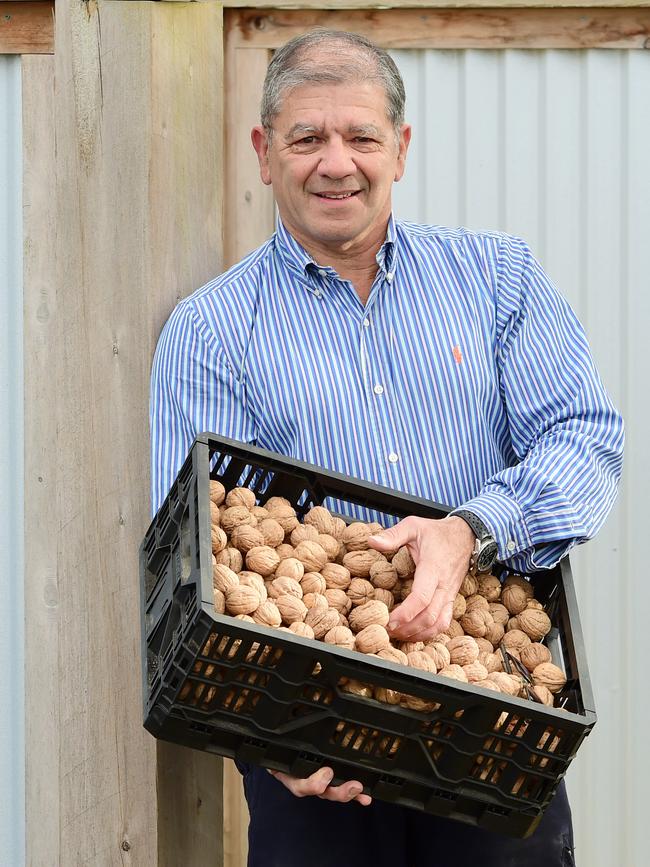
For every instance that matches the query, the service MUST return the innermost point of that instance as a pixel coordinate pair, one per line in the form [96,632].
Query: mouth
[336,197]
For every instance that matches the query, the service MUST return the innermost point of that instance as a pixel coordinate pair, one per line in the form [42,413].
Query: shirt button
[393,457]
[378,389]
[389,277]
[511,545]
[322,272]
[366,323]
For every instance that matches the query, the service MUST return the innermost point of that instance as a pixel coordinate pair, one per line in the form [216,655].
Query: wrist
[484,552]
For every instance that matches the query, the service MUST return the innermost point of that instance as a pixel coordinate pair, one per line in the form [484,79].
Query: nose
[336,160]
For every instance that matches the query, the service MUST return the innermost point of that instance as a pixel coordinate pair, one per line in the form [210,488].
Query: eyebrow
[305,129]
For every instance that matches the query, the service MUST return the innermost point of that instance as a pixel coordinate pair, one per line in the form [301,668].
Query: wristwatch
[485,548]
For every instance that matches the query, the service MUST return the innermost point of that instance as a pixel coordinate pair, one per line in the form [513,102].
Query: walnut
[476,601]
[392,654]
[329,545]
[402,589]
[515,640]
[368,613]
[463,650]
[388,696]
[285,515]
[476,621]
[360,562]
[312,556]
[244,537]
[242,600]
[534,622]
[475,671]
[499,612]
[313,582]
[290,568]
[372,638]
[490,587]
[341,636]
[384,596]
[454,630]
[534,603]
[411,646]
[534,654]
[339,529]
[232,516]
[383,575]
[291,608]
[403,563]
[230,557]
[543,693]
[303,630]
[343,620]
[355,536]
[494,633]
[219,599]
[337,577]
[423,661]
[439,654]
[322,520]
[355,687]
[218,538]
[284,552]
[469,586]
[360,591]
[508,683]
[241,497]
[514,598]
[260,513]
[215,514]
[338,599]
[513,623]
[491,661]
[267,614]
[315,600]
[460,606]
[321,620]
[262,559]
[217,492]
[283,585]
[483,644]
[272,533]
[455,672]
[274,503]
[518,581]
[224,579]
[488,683]
[442,638]
[254,579]
[549,675]
[304,533]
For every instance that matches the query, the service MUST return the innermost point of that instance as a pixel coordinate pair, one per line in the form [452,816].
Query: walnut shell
[271,531]
[341,636]
[455,672]
[499,612]
[215,514]
[460,606]
[454,630]
[491,661]
[549,675]
[301,629]
[367,614]
[494,634]
[337,577]
[483,644]
[219,601]
[329,545]
[534,622]
[284,585]
[242,600]
[355,536]
[518,581]
[254,579]
[372,638]
[241,497]
[285,515]
[232,558]
[476,602]
[383,575]
[463,650]
[244,537]
[313,582]
[411,646]
[388,696]
[515,640]
[304,533]
[514,598]
[260,513]
[355,687]
[292,567]
[224,579]
[475,671]
[476,621]
[508,683]
[535,654]
[267,614]
[385,596]
[274,503]
[322,519]
[291,608]
[439,654]
[513,623]
[469,586]
[218,538]
[490,587]
[315,600]
[403,563]
[262,559]
[359,562]
[543,693]
[423,661]
[233,516]
[312,556]
[217,492]
[534,603]
[360,591]
[321,620]
[338,599]
[392,654]
[284,551]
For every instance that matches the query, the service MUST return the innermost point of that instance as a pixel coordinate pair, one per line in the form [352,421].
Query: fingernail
[393,625]
[355,790]
[327,776]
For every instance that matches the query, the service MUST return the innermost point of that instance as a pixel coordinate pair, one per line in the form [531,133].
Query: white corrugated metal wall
[12,719]
[554,146]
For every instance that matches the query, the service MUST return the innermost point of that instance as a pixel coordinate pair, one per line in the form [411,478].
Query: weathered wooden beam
[452,28]
[27,27]
[436,4]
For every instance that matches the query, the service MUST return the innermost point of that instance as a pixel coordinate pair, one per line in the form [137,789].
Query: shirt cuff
[503,516]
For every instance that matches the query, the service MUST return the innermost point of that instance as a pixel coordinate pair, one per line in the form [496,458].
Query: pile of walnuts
[320,579]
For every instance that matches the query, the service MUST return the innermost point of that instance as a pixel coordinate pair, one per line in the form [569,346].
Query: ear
[260,141]
[403,146]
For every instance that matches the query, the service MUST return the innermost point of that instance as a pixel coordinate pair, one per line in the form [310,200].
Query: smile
[337,195]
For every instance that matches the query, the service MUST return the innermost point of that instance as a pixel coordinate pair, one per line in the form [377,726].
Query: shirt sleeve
[565,432]
[193,390]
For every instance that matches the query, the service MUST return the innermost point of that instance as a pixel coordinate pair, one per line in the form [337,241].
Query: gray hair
[300,62]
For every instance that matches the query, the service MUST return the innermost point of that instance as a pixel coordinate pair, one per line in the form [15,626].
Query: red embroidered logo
[458,355]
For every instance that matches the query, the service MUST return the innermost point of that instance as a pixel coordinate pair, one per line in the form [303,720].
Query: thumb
[392,538]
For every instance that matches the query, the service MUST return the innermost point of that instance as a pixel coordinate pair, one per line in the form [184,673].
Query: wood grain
[436,4]
[452,28]
[27,27]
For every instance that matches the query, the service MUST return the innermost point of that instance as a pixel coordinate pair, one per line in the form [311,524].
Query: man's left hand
[441,550]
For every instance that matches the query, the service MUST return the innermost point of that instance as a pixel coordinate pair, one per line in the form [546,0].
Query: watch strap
[477,526]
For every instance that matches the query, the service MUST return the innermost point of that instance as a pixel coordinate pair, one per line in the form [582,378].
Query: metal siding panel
[12,693]
[553,146]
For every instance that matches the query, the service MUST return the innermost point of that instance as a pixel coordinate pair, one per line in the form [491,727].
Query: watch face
[486,557]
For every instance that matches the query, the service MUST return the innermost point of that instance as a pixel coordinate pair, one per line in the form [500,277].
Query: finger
[364,800]
[425,583]
[344,793]
[315,784]
[393,537]
[430,621]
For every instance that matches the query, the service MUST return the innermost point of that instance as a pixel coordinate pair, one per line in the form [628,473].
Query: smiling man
[434,361]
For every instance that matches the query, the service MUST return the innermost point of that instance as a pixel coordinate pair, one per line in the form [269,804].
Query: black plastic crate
[215,683]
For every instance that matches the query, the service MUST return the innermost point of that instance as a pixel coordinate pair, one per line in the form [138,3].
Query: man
[434,361]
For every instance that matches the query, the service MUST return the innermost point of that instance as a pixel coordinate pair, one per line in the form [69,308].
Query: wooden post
[126,222]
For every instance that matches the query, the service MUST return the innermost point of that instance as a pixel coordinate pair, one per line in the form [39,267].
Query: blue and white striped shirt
[466,379]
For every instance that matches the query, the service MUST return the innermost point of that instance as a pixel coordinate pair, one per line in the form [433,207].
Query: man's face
[332,161]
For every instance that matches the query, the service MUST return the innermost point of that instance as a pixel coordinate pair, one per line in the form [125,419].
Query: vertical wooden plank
[235,817]
[42,716]
[249,211]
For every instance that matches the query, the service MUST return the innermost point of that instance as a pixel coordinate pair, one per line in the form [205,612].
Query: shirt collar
[299,260]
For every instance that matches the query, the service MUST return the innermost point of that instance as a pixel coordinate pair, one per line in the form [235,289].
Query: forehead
[350,104]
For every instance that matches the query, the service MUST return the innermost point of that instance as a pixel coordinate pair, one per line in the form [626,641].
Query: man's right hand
[319,784]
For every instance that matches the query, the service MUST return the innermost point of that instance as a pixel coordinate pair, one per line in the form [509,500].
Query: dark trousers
[286,831]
